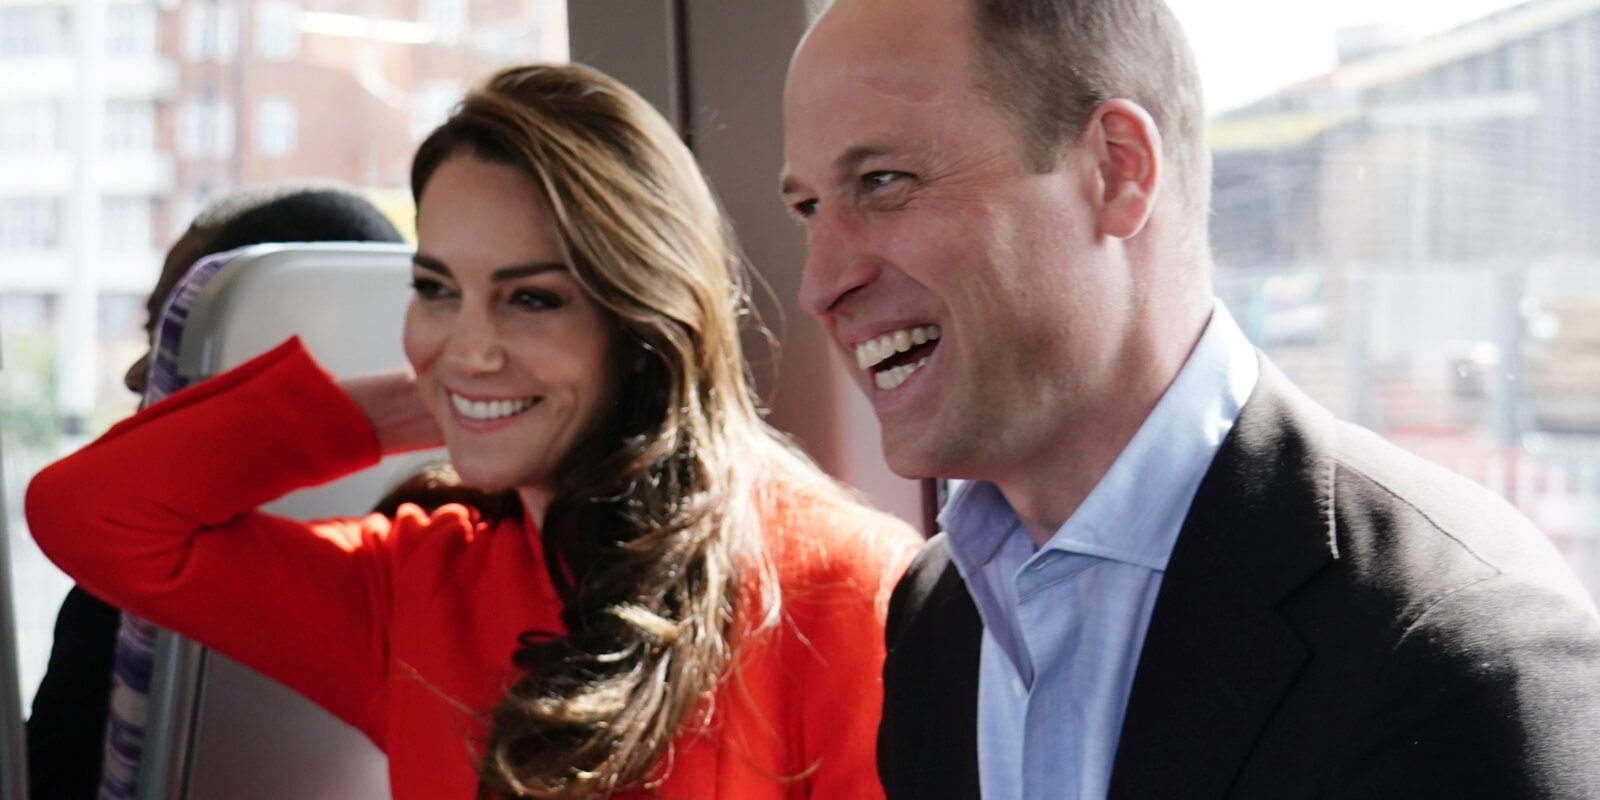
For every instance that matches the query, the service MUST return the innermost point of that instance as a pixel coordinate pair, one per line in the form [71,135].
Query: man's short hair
[291,213]
[1048,63]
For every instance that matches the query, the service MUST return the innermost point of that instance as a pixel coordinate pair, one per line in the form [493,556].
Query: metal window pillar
[13,741]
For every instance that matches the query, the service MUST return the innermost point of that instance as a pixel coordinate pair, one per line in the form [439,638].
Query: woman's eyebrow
[526,270]
[431,264]
[507,273]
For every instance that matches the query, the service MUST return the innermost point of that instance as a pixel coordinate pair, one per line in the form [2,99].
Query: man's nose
[838,263]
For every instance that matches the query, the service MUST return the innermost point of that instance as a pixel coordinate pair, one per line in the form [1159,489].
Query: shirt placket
[1050,622]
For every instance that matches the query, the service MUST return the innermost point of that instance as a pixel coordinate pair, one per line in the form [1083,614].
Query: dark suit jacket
[1338,620]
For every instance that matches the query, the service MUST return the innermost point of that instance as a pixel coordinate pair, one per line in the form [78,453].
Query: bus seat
[216,729]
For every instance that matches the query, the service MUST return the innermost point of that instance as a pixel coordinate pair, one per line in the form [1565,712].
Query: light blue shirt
[1064,624]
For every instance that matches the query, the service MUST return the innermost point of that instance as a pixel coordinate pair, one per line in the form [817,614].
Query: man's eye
[879,179]
[428,288]
[535,300]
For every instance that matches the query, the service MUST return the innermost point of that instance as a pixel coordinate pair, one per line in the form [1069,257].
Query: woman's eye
[428,288]
[805,208]
[535,300]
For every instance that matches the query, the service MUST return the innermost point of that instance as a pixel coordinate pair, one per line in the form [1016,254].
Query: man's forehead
[902,48]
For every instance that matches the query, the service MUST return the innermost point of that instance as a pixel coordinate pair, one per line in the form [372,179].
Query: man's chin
[910,461]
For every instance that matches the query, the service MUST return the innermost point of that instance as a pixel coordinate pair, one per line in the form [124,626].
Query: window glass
[29,223]
[210,31]
[125,225]
[201,98]
[33,30]
[131,30]
[205,129]
[277,30]
[29,126]
[130,125]
[276,127]
[1404,221]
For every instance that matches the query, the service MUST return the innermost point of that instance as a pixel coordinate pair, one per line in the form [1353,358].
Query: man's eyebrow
[506,273]
[843,166]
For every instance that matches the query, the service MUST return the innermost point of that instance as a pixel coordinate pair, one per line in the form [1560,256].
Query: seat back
[217,729]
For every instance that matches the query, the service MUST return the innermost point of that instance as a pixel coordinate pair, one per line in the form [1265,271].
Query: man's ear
[1124,139]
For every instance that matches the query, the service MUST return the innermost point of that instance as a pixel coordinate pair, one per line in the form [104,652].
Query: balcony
[55,77]
[49,174]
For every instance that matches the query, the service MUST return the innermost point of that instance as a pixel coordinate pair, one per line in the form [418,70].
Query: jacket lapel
[1218,655]
[927,745]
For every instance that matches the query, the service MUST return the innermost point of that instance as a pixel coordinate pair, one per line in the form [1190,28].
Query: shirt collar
[1135,512]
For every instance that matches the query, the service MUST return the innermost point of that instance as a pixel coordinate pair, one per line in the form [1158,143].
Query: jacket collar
[1219,655]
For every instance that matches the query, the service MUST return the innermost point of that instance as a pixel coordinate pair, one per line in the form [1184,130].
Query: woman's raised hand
[396,410]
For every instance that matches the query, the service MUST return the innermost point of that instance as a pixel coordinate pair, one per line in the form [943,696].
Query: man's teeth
[490,409]
[875,351]
[894,376]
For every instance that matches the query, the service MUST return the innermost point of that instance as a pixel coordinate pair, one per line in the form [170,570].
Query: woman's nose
[474,345]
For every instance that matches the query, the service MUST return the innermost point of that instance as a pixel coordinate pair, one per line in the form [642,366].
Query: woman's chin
[482,478]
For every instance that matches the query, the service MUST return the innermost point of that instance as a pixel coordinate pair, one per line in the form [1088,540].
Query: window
[125,224]
[184,208]
[447,18]
[210,31]
[276,123]
[33,31]
[431,105]
[205,129]
[130,125]
[30,127]
[30,223]
[130,30]
[1423,259]
[277,30]
[245,79]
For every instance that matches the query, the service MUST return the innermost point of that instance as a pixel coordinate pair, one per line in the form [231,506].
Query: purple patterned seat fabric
[136,641]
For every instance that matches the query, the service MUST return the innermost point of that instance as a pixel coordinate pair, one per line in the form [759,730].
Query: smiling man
[1168,573]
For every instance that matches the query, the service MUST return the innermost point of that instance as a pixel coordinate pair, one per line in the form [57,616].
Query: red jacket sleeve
[158,517]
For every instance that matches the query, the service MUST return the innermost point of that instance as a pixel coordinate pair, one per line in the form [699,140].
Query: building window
[130,30]
[205,129]
[130,125]
[29,127]
[431,105]
[277,125]
[30,223]
[277,30]
[210,32]
[182,211]
[33,31]
[125,224]
[447,18]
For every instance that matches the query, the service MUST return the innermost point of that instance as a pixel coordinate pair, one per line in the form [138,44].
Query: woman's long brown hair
[653,536]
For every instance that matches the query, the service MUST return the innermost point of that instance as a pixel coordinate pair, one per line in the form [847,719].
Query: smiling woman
[512,355]
[654,593]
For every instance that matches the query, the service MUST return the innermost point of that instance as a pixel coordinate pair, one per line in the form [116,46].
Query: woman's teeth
[485,410]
